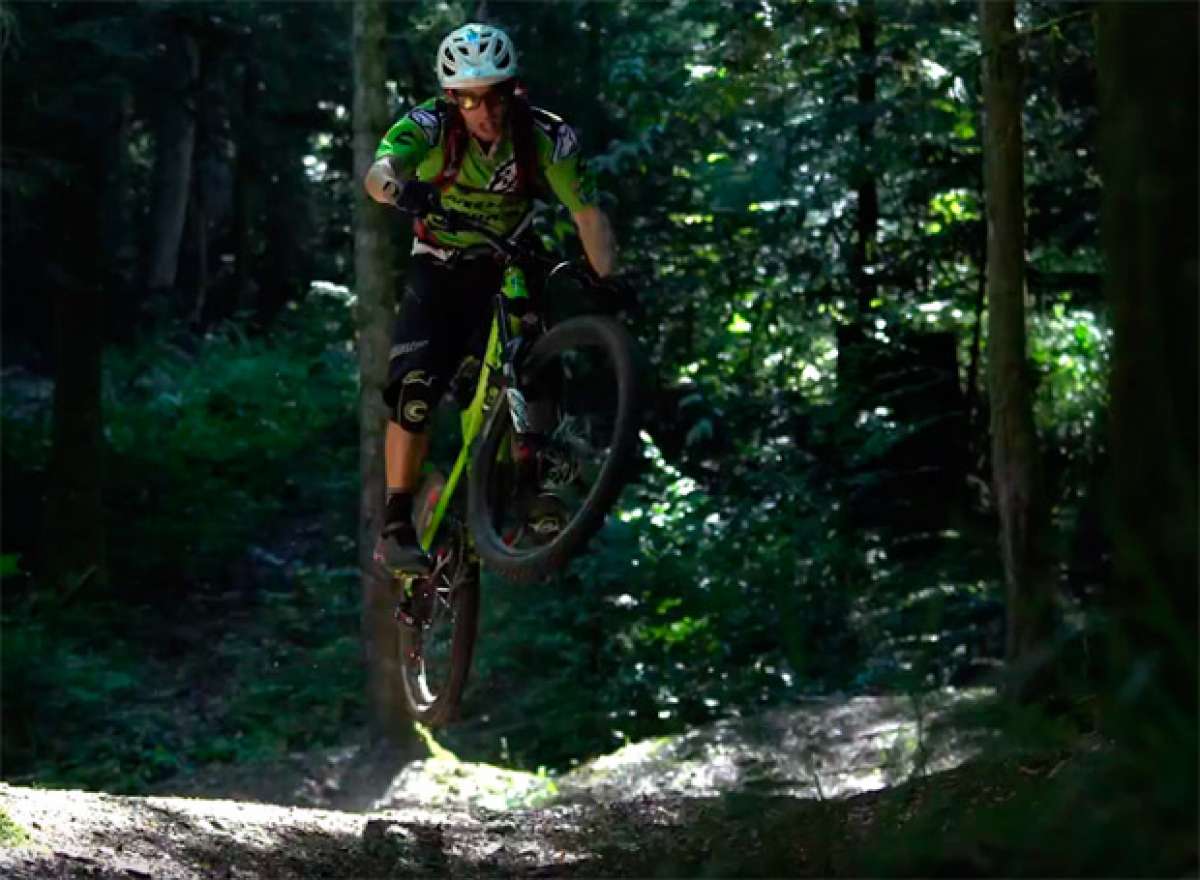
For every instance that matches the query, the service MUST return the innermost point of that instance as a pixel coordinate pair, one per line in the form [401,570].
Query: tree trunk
[74,526]
[867,215]
[175,136]
[114,213]
[198,213]
[246,171]
[374,283]
[211,198]
[74,533]
[1015,469]
[1148,98]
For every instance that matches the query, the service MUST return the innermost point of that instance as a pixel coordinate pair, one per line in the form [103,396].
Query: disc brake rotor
[548,515]
[418,610]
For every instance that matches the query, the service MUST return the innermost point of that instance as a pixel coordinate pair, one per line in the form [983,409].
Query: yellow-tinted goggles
[494,98]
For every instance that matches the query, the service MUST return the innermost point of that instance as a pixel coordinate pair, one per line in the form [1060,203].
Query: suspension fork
[514,288]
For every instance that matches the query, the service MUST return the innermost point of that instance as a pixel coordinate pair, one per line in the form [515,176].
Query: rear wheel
[437,644]
[534,505]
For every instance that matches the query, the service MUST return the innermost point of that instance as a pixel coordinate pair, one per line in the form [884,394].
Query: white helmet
[475,55]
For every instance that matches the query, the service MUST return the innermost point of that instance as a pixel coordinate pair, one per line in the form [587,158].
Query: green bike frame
[504,326]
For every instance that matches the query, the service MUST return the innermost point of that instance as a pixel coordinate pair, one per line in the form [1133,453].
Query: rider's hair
[524,148]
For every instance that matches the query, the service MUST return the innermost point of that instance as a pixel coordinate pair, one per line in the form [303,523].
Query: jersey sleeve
[563,163]
[413,137]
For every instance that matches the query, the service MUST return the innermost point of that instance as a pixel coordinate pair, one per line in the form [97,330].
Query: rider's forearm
[382,181]
[598,241]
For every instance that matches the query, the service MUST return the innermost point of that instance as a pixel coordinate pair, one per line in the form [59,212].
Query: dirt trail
[644,809]
[79,834]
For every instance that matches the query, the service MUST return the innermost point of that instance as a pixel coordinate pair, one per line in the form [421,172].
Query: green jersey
[486,186]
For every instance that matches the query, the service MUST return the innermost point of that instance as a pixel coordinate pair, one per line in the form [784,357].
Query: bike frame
[496,371]
[496,361]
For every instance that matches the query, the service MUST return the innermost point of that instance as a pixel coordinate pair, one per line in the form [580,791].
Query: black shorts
[444,316]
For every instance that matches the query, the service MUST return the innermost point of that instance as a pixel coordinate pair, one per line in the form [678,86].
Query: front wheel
[535,504]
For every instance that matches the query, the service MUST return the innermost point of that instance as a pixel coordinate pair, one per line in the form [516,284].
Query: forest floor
[794,792]
[820,787]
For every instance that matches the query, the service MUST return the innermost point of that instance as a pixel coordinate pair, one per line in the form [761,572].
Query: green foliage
[76,708]
[1070,351]
[99,697]
[264,425]
[1045,800]
[209,440]
[298,671]
[210,448]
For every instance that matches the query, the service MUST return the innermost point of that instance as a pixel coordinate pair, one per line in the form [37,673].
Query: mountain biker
[483,150]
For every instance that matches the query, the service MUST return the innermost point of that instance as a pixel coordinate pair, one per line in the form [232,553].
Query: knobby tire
[534,564]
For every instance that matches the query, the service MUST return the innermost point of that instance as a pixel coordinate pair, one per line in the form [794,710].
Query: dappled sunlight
[446,782]
[825,747]
[442,814]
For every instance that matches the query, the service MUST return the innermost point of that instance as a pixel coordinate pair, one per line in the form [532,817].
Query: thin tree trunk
[1148,98]
[1015,468]
[74,533]
[374,283]
[114,215]
[175,137]
[208,200]
[867,216]
[199,216]
[175,142]
[245,176]
[74,525]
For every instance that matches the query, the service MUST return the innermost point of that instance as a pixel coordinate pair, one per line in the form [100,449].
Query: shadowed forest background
[873,465]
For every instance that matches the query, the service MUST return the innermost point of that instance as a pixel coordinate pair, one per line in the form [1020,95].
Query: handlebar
[510,248]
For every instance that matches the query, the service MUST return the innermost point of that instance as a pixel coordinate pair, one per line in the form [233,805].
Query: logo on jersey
[429,122]
[504,178]
[565,143]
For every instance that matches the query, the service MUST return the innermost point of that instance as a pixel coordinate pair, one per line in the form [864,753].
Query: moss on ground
[12,834]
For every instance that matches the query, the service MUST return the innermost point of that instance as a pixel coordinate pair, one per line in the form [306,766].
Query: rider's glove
[414,196]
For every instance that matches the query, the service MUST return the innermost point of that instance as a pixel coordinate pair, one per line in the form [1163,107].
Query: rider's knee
[414,403]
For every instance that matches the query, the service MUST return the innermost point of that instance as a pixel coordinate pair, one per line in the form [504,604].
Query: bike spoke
[429,669]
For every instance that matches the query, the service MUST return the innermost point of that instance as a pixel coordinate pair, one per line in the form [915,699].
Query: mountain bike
[549,435]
